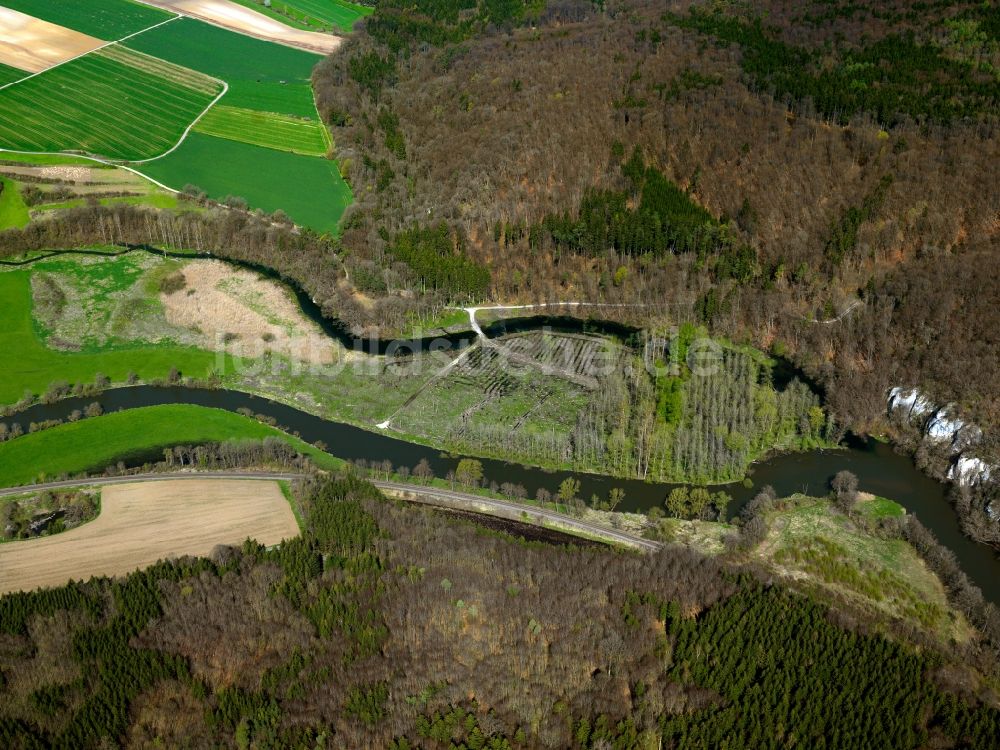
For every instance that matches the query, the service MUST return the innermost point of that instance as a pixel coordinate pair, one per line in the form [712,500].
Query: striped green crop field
[9,74]
[261,75]
[113,102]
[266,129]
[309,189]
[339,13]
[104,19]
[312,15]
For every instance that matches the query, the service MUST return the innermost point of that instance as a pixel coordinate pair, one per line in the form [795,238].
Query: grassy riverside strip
[93,444]
[104,19]
[100,104]
[33,366]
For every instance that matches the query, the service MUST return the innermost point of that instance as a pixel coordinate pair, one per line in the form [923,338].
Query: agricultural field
[113,102]
[104,19]
[262,142]
[33,45]
[9,74]
[144,522]
[309,189]
[9,160]
[320,15]
[94,443]
[267,129]
[32,365]
[261,76]
[243,20]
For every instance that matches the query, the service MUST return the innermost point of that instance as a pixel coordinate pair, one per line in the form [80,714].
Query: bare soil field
[246,313]
[144,522]
[243,20]
[34,45]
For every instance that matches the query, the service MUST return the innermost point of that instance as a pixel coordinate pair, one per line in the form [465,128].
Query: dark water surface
[879,469]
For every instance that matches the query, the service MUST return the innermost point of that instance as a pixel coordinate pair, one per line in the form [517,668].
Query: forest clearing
[144,522]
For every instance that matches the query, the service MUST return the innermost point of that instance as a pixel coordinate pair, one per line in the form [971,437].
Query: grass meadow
[32,366]
[266,129]
[13,212]
[113,103]
[309,189]
[104,19]
[93,444]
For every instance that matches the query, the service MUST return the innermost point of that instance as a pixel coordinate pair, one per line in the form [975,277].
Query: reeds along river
[879,469]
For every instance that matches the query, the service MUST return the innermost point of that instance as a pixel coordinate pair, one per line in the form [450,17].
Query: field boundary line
[246,33]
[96,159]
[189,128]
[89,51]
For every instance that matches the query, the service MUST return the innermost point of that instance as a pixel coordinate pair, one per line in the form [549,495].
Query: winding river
[878,467]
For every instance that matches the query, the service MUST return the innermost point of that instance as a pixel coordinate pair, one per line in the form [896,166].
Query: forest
[701,427]
[393,626]
[817,158]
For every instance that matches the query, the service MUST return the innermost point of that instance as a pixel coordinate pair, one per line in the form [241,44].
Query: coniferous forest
[398,627]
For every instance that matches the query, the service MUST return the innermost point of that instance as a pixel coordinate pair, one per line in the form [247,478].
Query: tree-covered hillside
[387,626]
[815,177]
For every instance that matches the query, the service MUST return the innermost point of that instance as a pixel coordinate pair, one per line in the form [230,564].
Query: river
[880,470]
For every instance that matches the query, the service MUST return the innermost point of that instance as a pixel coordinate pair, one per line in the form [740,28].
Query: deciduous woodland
[389,626]
[821,191]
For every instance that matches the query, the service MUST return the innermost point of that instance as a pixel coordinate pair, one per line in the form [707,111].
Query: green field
[9,74]
[13,212]
[93,444]
[32,366]
[50,159]
[113,103]
[312,14]
[309,189]
[266,129]
[261,75]
[104,19]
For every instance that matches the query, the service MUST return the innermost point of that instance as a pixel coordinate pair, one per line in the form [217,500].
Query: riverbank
[880,470]
[555,392]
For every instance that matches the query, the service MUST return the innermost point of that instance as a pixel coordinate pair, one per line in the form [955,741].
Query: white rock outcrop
[970,470]
[940,424]
[909,401]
